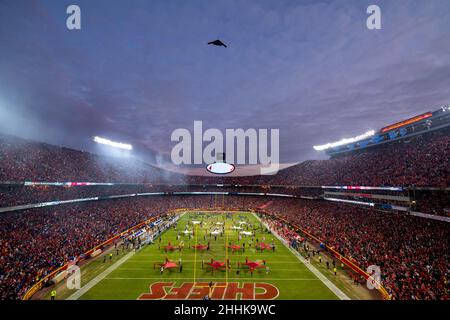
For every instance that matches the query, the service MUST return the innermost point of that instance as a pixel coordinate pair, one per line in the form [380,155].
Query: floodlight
[345,141]
[113,144]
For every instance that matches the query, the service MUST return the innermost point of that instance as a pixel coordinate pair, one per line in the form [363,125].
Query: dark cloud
[140,69]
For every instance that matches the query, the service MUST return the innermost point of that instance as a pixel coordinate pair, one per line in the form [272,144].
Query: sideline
[338,292]
[104,274]
[218,280]
[100,277]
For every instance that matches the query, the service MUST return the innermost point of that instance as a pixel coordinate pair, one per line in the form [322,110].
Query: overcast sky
[137,70]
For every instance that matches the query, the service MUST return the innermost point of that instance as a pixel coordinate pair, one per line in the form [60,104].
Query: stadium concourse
[412,252]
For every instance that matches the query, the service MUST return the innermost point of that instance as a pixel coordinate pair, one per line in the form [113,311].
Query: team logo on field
[219,291]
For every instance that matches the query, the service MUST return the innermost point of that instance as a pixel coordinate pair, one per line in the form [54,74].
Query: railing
[214,185]
[337,255]
[40,284]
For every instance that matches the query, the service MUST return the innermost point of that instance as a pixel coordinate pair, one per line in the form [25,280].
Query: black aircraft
[218,43]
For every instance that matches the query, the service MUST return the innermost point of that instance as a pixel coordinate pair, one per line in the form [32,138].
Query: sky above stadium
[138,70]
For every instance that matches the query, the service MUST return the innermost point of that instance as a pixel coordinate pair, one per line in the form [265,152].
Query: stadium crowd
[415,163]
[35,242]
[17,195]
[420,161]
[432,202]
[25,160]
[21,195]
[413,253]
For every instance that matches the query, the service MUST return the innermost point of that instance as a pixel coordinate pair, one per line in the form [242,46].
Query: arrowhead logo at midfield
[220,291]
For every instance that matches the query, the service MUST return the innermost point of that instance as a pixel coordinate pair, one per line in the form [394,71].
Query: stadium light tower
[114,144]
[345,141]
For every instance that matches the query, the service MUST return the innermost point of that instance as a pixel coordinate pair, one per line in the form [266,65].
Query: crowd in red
[34,242]
[25,160]
[418,163]
[432,202]
[421,160]
[17,195]
[413,253]
[21,195]
[435,202]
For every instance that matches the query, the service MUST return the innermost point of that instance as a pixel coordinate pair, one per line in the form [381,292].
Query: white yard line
[100,277]
[317,273]
[184,268]
[247,253]
[338,292]
[174,258]
[103,275]
[216,279]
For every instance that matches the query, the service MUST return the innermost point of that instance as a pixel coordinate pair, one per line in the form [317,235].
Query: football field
[231,268]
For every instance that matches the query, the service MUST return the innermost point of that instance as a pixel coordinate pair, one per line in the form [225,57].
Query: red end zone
[219,291]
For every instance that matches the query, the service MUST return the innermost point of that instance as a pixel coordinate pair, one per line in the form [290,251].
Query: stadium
[306,233]
[84,217]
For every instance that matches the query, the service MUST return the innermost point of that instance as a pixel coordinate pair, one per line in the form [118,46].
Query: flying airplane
[218,43]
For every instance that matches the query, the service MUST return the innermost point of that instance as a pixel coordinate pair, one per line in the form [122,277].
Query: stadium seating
[16,195]
[24,160]
[34,242]
[412,253]
[420,161]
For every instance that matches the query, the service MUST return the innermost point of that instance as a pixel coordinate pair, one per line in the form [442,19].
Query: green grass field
[137,273]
